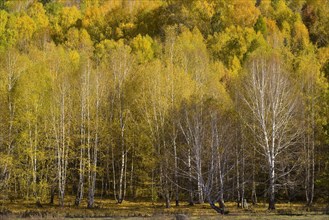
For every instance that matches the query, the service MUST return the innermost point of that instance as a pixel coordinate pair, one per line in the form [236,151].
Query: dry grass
[107,208]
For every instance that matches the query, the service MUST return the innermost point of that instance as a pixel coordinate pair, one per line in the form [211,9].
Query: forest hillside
[172,101]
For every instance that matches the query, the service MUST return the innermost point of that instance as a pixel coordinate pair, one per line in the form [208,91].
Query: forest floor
[128,210]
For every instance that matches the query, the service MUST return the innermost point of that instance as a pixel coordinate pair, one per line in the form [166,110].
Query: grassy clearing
[109,209]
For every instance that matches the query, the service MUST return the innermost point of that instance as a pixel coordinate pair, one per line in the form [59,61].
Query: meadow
[135,210]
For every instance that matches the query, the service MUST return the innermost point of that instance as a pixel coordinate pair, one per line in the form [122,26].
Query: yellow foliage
[300,36]
[204,7]
[282,11]
[240,13]
[274,38]
[93,16]
[25,27]
[6,160]
[323,55]
[142,47]
[74,57]
[3,21]
[38,14]
[79,39]
[286,33]
[68,17]
[266,8]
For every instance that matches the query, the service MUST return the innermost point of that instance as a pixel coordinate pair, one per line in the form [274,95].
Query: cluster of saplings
[185,101]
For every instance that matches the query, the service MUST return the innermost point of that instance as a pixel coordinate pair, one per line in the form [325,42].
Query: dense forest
[179,101]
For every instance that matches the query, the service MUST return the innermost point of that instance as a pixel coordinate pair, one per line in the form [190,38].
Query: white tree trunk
[271,100]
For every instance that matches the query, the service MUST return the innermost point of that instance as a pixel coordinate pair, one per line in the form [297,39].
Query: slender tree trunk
[52,194]
[311,196]
[167,198]
[91,192]
[79,195]
[309,149]
[62,152]
[174,135]
[107,171]
[152,187]
[221,183]
[167,194]
[221,203]
[120,195]
[307,169]
[114,174]
[191,202]
[84,130]
[253,190]
[131,187]
[125,176]
[12,77]
[271,205]
[197,149]
[94,149]
[242,176]
[89,142]
[238,199]
[313,174]
[123,149]
[200,184]
[33,161]
[176,174]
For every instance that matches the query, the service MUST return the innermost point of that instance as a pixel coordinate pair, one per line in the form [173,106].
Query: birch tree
[194,62]
[271,110]
[171,39]
[85,136]
[32,110]
[120,65]
[64,64]
[13,65]
[155,108]
[208,142]
[313,85]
